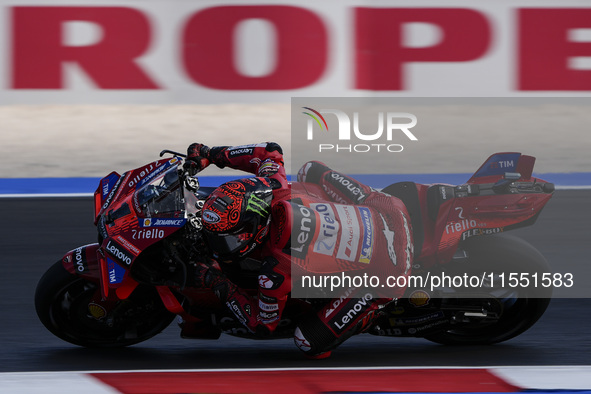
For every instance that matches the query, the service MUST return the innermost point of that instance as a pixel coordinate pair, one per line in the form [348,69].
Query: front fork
[91,263]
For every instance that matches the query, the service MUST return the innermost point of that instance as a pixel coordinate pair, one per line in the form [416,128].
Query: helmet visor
[228,244]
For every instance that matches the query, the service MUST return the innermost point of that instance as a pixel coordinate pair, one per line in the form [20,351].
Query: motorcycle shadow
[283,354]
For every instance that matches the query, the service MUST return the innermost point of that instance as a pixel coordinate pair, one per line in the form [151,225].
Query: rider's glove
[197,158]
[196,165]
[197,150]
[210,277]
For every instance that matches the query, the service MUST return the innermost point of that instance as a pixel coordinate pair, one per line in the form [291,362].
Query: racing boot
[340,319]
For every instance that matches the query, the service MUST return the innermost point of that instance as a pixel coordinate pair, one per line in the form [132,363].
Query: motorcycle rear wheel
[521,310]
[62,303]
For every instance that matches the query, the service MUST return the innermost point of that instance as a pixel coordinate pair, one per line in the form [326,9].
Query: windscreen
[162,197]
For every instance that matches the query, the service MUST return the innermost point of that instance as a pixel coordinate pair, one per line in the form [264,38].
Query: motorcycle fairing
[481,215]
[498,164]
[501,195]
[134,210]
[143,206]
[105,188]
[113,276]
[89,262]
[115,187]
[83,262]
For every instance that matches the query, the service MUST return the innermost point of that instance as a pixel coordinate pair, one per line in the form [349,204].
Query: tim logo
[502,164]
[389,126]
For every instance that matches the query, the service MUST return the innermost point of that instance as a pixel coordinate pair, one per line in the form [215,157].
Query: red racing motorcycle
[131,284]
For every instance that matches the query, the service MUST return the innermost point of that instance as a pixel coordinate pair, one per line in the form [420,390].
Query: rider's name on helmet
[157,222]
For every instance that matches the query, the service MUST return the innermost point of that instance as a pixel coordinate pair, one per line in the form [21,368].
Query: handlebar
[165,151]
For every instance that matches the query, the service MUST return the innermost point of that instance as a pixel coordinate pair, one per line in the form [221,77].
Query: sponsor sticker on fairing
[481,231]
[149,233]
[78,256]
[115,271]
[107,184]
[157,222]
[128,245]
[114,190]
[119,252]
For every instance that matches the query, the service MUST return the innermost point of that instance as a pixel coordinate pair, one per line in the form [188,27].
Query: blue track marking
[86,186]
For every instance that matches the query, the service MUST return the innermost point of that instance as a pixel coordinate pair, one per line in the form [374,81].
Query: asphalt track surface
[36,232]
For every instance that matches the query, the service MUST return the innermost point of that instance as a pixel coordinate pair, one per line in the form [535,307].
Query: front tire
[62,302]
[521,307]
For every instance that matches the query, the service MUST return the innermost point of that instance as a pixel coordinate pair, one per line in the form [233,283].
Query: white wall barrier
[200,52]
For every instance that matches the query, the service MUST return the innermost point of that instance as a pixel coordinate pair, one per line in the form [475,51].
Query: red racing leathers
[325,223]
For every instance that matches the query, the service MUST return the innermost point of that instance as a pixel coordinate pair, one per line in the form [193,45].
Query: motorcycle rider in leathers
[260,216]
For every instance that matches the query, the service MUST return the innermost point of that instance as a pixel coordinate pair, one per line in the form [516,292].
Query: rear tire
[62,304]
[521,307]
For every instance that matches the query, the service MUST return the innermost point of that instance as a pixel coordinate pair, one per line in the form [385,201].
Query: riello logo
[389,125]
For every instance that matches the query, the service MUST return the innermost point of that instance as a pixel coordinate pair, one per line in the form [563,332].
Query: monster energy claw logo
[257,205]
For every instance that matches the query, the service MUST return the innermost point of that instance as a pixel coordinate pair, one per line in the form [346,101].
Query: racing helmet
[236,217]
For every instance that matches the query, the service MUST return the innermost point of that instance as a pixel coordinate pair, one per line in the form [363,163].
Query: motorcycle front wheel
[519,307]
[63,302]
